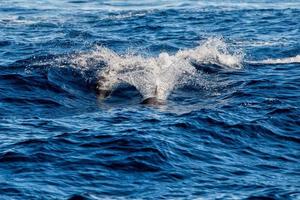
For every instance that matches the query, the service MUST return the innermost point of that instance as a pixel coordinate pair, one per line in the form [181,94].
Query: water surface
[229,73]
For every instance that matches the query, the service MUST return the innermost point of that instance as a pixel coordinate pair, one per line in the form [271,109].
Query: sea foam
[288,60]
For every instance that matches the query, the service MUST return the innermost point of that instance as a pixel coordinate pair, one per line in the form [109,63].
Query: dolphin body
[153,101]
[104,93]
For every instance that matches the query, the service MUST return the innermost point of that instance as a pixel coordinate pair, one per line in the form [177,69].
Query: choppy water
[229,74]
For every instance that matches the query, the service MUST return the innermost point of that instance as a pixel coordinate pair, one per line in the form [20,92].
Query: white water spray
[289,60]
[157,76]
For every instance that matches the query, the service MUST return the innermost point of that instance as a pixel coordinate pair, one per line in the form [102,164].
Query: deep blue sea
[226,74]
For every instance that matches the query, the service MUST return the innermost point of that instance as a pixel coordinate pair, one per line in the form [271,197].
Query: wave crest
[289,60]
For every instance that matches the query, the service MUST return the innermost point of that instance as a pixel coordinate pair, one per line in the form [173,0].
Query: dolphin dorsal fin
[156,91]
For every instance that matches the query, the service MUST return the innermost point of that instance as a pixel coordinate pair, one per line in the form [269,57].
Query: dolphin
[153,100]
[104,93]
[102,88]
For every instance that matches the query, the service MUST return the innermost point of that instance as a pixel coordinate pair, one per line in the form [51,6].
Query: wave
[155,75]
[288,60]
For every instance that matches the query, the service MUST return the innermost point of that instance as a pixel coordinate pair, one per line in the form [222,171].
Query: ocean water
[228,73]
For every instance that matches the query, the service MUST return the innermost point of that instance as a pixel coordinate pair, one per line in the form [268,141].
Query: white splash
[214,51]
[289,60]
[157,76]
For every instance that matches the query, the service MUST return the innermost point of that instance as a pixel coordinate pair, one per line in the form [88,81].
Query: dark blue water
[228,73]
